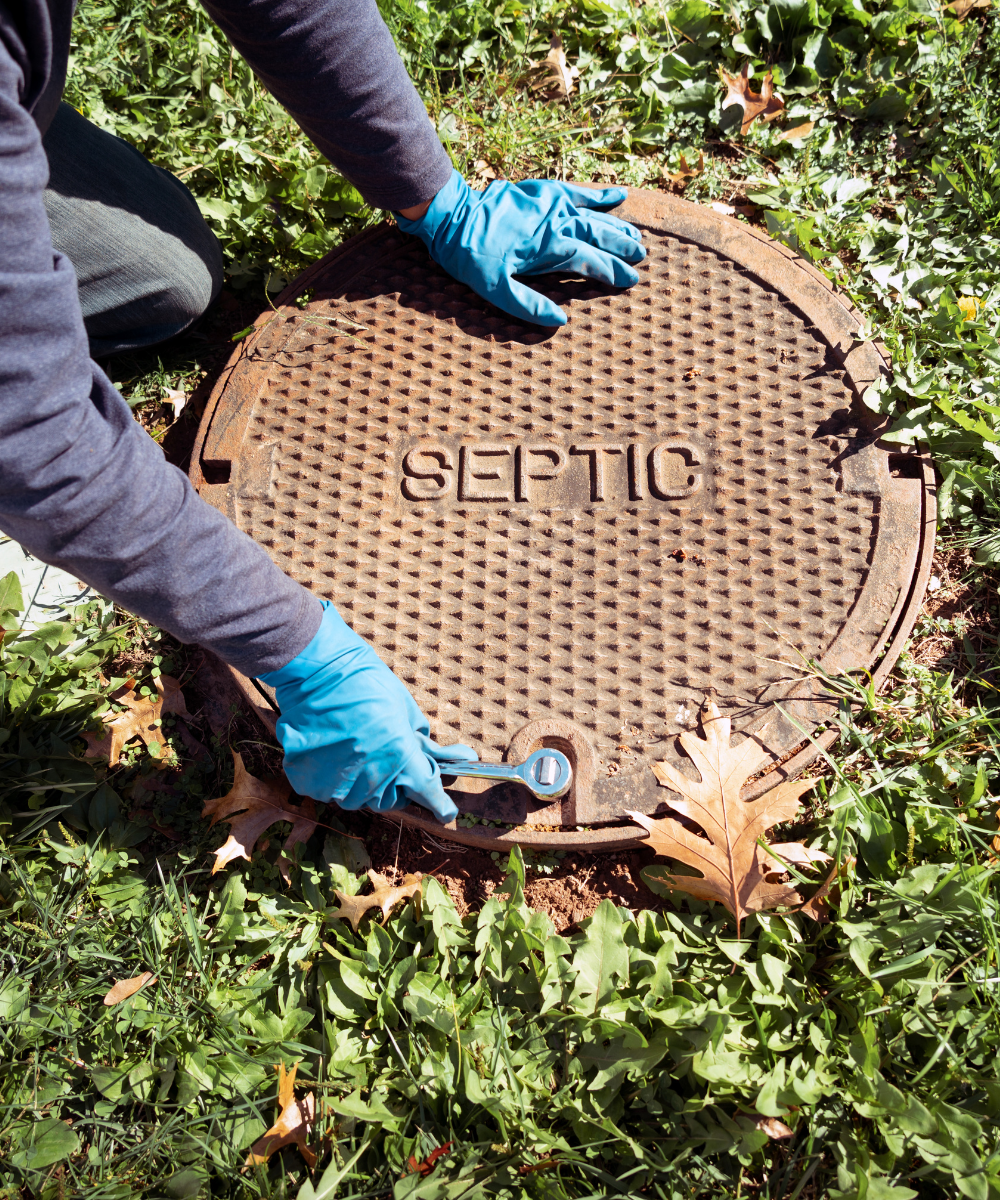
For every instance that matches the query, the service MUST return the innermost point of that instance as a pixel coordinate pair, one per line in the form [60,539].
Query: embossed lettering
[513,472]
[477,468]
[597,454]
[542,460]
[425,482]
[636,472]
[669,475]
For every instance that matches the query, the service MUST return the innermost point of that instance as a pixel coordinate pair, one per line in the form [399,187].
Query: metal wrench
[547,774]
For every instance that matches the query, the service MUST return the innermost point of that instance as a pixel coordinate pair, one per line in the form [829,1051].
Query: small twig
[395,865]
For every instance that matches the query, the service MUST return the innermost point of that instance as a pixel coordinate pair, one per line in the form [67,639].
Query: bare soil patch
[569,894]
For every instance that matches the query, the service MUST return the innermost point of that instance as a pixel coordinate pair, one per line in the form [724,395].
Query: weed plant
[647,1054]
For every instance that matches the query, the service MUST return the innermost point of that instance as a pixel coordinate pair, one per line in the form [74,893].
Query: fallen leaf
[252,805]
[818,905]
[177,398]
[765,104]
[483,172]
[293,1126]
[552,78]
[425,1167]
[128,987]
[797,131]
[774,1128]
[384,897]
[680,177]
[140,720]
[735,871]
[962,8]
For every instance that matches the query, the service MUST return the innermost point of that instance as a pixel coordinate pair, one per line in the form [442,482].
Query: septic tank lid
[570,538]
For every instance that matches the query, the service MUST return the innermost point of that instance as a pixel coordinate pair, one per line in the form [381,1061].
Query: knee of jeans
[194,282]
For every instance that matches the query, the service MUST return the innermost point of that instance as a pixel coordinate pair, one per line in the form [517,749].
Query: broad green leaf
[917,1118]
[348,854]
[143,1081]
[110,1081]
[629,1054]
[105,808]
[430,999]
[238,1075]
[230,923]
[14,995]
[216,207]
[184,1185]
[11,598]
[43,1144]
[601,961]
[374,1110]
[878,1189]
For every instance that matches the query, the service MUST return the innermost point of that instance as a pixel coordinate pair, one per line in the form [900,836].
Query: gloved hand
[351,731]
[530,228]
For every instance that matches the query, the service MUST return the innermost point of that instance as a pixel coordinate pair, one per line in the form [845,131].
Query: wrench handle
[547,774]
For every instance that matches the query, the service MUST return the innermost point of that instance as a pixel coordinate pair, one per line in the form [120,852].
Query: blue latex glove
[530,228]
[351,731]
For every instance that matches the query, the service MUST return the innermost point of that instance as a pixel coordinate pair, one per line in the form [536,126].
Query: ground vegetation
[505,1027]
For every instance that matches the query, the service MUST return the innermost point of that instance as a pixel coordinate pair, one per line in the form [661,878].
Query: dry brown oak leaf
[128,987]
[960,9]
[680,177]
[765,104]
[774,1128]
[139,720]
[252,805]
[554,77]
[384,897]
[735,871]
[293,1126]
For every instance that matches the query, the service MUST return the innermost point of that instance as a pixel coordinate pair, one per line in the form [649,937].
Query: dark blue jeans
[146,263]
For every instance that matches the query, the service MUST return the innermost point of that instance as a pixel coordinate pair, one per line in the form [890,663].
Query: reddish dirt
[568,895]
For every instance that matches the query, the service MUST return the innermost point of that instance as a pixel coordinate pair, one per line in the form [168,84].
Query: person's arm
[333,65]
[82,486]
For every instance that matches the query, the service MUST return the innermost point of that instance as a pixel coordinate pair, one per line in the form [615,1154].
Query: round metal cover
[571,537]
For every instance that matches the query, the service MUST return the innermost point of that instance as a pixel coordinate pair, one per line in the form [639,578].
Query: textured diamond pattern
[612,613]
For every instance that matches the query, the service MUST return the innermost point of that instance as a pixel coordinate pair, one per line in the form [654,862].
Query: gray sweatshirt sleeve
[81,484]
[333,65]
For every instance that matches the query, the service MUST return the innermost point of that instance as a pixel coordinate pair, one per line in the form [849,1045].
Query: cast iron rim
[798,286]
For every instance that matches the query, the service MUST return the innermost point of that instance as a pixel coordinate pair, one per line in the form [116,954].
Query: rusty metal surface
[568,539]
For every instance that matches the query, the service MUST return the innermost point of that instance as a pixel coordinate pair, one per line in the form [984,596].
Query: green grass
[642,1055]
